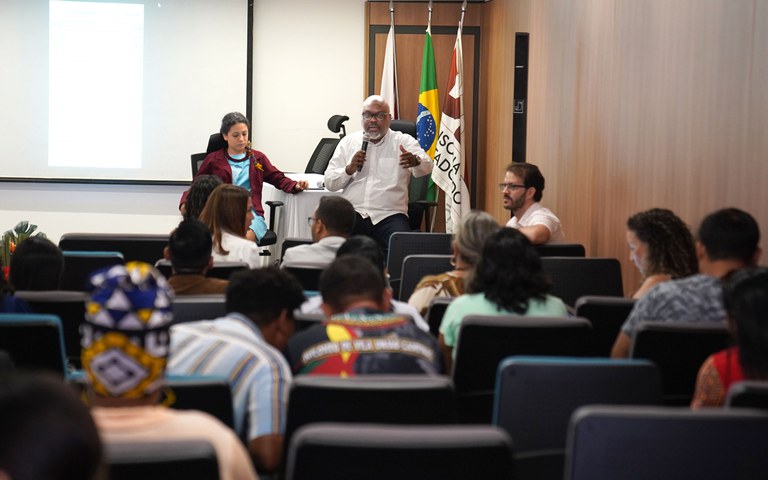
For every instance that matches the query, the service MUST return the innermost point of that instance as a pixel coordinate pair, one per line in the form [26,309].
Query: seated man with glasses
[373,168]
[521,193]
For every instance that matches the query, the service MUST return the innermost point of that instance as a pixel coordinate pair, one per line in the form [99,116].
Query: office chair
[222,270]
[160,460]
[662,443]
[320,158]
[402,244]
[416,267]
[140,247]
[78,267]
[190,308]
[607,315]
[34,342]
[749,394]
[217,142]
[419,208]
[574,277]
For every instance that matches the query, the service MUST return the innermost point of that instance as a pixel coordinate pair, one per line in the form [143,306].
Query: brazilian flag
[428,118]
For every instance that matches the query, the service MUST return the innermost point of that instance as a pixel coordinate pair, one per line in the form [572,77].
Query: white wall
[309,64]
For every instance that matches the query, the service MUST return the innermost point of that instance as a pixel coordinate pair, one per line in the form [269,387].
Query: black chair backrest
[161,460]
[644,443]
[386,452]
[391,399]
[402,244]
[560,250]
[196,160]
[749,394]
[484,341]
[420,208]
[140,247]
[416,267]
[406,126]
[435,313]
[574,277]
[321,156]
[308,277]
[678,349]
[189,308]
[607,315]
[207,394]
[78,267]
[33,341]
[69,307]
[222,270]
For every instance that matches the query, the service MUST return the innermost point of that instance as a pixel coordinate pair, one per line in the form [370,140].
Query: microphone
[364,148]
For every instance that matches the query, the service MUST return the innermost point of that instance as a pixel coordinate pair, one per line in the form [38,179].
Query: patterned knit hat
[125,336]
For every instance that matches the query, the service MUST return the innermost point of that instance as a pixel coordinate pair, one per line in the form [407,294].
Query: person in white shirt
[521,193]
[375,180]
[331,225]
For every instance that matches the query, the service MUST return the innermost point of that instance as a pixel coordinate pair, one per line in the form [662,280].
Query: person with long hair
[238,164]
[661,247]
[468,241]
[228,214]
[198,194]
[508,280]
[745,296]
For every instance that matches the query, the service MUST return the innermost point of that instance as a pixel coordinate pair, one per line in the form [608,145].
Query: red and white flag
[448,173]
[389,73]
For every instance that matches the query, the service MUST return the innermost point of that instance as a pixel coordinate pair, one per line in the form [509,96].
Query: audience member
[125,341]
[745,296]
[359,337]
[37,264]
[367,248]
[468,241]
[237,164]
[661,247]
[228,213]
[521,192]
[189,251]
[508,280]
[727,241]
[198,194]
[9,303]
[47,432]
[375,180]
[331,225]
[245,347]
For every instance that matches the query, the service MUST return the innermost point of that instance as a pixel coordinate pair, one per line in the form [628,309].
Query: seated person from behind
[359,337]
[468,241]
[198,194]
[745,296]
[508,280]
[521,193]
[376,180]
[661,247]
[125,341]
[238,164]
[366,247]
[9,303]
[245,347]
[47,431]
[227,214]
[37,264]
[728,240]
[331,225]
[189,250]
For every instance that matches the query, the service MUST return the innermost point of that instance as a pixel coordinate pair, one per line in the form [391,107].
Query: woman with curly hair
[661,246]
[198,194]
[508,280]
[228,213]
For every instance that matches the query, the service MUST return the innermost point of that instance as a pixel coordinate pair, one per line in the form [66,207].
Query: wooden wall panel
[632,105]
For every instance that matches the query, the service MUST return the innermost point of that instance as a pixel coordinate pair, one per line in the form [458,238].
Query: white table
[292,217]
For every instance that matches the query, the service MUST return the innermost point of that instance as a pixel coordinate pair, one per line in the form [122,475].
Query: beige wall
[632,105]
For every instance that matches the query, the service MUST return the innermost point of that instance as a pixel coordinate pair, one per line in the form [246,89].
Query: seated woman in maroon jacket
[239,165]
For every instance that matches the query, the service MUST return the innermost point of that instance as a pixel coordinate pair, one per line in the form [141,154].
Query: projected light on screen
[96,67]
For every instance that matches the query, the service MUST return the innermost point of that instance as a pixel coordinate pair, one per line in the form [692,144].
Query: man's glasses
[510,186]
[310,221]
[379,115]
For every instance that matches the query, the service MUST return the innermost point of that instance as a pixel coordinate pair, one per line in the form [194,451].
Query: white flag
[448,173]
[389,73]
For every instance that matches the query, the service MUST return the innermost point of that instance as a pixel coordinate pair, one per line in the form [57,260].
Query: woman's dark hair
[37,264]
[670,243]
[231,119]
[509,272]
[225,211]
[198,194]
[745,296]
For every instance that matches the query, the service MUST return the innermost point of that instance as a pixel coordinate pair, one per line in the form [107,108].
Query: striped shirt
[233,347]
